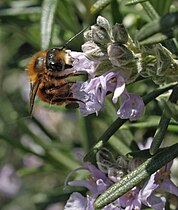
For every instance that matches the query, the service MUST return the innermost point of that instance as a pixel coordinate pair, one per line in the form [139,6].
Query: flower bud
[119,55]
[105,159]
[103,22]
[119,33]
[88,35]
[100,35]
[163,61]
[93,51]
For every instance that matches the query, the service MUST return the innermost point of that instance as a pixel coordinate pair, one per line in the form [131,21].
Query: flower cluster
[110,65]
[112,60]
[112,170]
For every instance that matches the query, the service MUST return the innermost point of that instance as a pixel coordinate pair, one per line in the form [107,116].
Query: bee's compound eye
[39,64]
[54,60]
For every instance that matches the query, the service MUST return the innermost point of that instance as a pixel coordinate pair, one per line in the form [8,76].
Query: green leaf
[90,156]
[67,22]
[99,6]
[163,125]
[145,122]
[160,133]
[162,6]
[47,17]
[137,176]
[133,2]
[139,154]
[19,11]
[157,38]
[161,25]
[154,94]
[119,145]
[149,9]
[171,110]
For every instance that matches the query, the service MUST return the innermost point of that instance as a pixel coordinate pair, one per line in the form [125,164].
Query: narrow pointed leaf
[171,110]
[99,6]
[133,2]
[47,17]
[163,125]
[160,25]
[149,9]
[157,38]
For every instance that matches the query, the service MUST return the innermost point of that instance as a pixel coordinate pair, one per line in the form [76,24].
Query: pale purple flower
[158,182]
[9,183]
[55,206]
[132,106]
[149,198]
[79,202]
[147,194]
[87,95]
[96,184]
[82,63]
[93,92]
[130,201]
[163,179]
[32,161]
[76,202]
[109,64]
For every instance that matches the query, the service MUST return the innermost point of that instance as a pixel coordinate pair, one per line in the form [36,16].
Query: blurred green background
[37,153]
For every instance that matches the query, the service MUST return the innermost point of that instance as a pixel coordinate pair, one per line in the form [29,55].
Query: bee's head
[58,60]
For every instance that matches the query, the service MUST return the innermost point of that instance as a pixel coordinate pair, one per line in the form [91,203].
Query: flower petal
[157,203]
[76,202]
[132,106]
[169,186]
[120,87]
[82,63]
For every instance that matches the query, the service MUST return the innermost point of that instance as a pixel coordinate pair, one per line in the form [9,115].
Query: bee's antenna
[74,37]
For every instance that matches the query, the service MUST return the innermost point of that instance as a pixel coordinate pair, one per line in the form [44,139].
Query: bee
[48,78]
[48,74]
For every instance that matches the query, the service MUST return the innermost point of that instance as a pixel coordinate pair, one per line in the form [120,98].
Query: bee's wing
[33,90]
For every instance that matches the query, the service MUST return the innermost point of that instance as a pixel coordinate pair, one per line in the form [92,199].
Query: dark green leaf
[171,110]
[161,25]
[162,6]
[163,125]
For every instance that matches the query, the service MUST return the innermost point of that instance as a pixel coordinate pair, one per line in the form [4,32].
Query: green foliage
[54,134]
